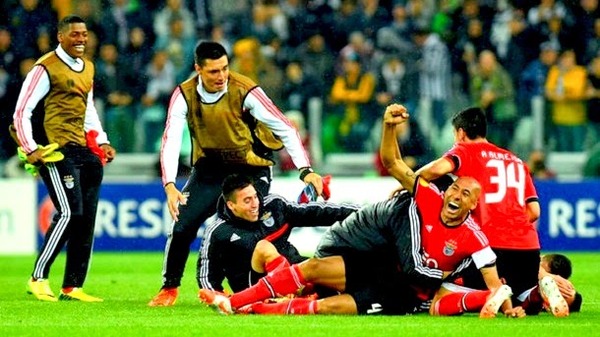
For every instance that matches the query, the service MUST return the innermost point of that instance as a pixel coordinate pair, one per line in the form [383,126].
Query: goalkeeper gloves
[50,155]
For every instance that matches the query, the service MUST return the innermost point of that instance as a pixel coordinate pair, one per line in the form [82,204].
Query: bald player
[508,208]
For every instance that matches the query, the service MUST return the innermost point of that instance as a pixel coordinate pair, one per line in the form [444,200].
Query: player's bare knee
[265,250]
[262,248]
[318,268]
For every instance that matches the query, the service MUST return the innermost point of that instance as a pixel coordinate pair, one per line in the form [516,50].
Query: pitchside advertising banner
[134,216]
[570,218]
[17,216]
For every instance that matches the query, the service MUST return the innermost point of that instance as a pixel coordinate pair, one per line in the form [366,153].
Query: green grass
[127,281]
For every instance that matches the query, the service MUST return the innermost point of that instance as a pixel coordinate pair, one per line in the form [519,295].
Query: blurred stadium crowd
[533,65]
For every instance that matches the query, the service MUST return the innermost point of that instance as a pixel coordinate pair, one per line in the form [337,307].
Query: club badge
[69,181]
[450,247]
[267,219]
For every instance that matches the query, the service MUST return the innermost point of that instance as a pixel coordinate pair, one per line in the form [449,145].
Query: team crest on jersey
[267,219]
[69,181]
[450,247]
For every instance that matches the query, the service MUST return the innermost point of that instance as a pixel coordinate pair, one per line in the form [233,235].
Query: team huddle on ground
[441,244]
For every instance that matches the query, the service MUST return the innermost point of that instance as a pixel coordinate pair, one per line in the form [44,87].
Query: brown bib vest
[224,130]
[65,104]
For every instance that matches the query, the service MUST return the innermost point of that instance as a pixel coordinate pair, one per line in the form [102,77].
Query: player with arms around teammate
[56,106]
[507,209]
[250,236]
[234,128]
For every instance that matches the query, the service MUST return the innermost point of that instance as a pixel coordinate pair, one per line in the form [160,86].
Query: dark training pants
[74,186]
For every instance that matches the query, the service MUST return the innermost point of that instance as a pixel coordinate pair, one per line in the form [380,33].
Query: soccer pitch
[127,281]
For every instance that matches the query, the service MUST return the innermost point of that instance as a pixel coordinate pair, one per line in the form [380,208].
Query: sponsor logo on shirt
[234,237]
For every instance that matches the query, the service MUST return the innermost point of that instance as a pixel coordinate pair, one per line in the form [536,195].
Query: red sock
[295,306]
[458,303]
[278,263]
[67,290]
[280,282]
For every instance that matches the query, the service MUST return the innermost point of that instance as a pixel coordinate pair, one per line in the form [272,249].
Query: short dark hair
[69,19]
[558,264]
[235,182]
[208,50]
[472,120]
[421,30]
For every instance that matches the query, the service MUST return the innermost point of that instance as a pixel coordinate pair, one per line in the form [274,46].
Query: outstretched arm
[436,169]
[390,151]
[492,281]
[262,108]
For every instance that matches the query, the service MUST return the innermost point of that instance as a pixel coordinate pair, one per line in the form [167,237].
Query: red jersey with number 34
[507,188]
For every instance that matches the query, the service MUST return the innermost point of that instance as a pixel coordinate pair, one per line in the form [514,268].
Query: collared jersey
[445,247]
[507,187]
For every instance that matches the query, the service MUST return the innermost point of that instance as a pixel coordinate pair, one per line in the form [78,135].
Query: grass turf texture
[127,281]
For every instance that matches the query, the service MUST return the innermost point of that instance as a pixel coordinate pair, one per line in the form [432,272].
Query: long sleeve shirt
[35,87]
[256,103]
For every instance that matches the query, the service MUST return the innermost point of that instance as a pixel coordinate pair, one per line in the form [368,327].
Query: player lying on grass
[250,236]
[379,259]
[554,289]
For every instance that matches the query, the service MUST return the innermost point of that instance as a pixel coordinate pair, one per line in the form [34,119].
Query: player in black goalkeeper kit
[234,128]
[246,225]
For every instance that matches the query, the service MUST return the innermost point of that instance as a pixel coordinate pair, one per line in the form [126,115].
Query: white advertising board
[18,210]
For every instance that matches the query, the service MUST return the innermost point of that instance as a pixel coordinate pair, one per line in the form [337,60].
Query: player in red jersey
[443,244]
[508,207]
[354,257]
[555,293]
